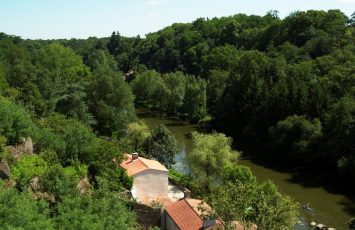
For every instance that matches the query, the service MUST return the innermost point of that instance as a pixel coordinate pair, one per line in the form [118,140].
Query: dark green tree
[163,145]
[21,211]
[111,102]
[75,137]
[58,68]
[295,138]
[15,121]
[195,99]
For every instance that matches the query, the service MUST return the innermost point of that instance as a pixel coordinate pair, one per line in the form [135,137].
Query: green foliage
[47,140]
[137,134]
[27,168]
[216,85]
[71,103]
[15,121]
[58,182]
[5,154]
[104,209]
[3,142]
[340,133]
[98,156]
[114,179]
[222,58]
[233,201]
[239,173]
[111,102]
[78,170]
[273,210]
[210,154]
[294,138]
[175,84]
[21,211]
[4,85]
[195,99]
[70,133]
[100,152]
[99,59]
[163,145]
[63,67]
[240,197]
[97,212]
[148,87]
[184,180]
[59,69]
[283,87]
[172,93]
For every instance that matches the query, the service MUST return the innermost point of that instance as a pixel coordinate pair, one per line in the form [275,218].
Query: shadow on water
[175,124]
[310,177]
[188,136]
[331,184]
[349,205]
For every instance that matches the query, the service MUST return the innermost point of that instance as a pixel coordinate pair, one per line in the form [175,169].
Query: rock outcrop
[35,184]
[84,185]
[36,188]
[5,172]
[25,147]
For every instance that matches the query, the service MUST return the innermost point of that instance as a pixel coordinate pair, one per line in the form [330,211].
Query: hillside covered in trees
[284,88]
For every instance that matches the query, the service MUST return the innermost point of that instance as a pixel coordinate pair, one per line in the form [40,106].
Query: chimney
[187,193]
[134,156]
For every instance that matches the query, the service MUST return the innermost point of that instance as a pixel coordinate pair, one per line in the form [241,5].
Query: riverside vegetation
[284,86]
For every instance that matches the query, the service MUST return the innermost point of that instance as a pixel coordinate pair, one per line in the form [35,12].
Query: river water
[333,210]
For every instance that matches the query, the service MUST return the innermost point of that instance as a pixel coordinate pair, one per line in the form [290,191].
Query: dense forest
[284,88]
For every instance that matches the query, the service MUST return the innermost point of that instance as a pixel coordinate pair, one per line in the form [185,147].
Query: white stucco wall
[169,224]
[150,182]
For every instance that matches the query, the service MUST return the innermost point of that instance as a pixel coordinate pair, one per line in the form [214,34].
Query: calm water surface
[328,208]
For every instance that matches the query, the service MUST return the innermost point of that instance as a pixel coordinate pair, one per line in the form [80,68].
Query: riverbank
[331,208]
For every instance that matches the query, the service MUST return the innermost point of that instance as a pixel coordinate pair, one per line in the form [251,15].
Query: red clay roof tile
[184,215]
[139,165]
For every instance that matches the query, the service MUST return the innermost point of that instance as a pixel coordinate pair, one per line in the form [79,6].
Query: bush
[27,168]
[15,121]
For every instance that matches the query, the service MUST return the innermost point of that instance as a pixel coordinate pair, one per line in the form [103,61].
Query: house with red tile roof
[150,179]
[186,214]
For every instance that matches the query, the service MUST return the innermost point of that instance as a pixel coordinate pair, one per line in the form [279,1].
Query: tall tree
[163,145]
[111,102]
[210,154]
[58,68]
[195,99]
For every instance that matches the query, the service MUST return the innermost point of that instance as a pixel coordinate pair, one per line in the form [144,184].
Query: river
[333,210]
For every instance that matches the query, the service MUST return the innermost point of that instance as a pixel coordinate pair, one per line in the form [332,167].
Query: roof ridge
[192,208]
[143,162]
[139,158]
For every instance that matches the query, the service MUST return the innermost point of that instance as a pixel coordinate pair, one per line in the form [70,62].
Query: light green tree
[211,153]
[272,209]
[240,198]
[137,133]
